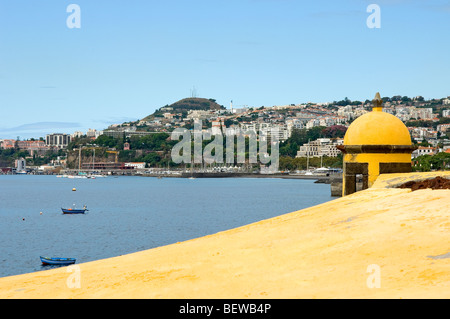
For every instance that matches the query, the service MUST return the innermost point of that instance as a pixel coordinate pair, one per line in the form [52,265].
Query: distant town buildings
[422,113]
[125,133]
[32,147]
[5,144]
[200,114]
[93,133]
[269,123]
[268,131]
[443,127]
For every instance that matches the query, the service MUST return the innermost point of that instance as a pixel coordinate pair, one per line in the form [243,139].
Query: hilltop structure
[375,143]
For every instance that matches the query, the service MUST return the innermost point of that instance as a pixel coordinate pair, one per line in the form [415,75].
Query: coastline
[319,252]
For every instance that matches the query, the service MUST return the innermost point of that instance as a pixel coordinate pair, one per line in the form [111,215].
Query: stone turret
[375,143]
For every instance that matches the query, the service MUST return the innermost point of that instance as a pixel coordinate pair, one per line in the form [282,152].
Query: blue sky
[132,57]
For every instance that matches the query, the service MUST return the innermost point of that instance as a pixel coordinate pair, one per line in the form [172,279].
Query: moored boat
[74,210]
[57,260]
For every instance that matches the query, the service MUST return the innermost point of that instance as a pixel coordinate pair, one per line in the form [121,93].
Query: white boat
[76,176]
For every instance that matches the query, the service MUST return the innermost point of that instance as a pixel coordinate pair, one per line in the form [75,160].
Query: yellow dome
[377,128]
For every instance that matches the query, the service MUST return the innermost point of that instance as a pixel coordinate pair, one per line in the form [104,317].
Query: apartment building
[57,140]
[320,147]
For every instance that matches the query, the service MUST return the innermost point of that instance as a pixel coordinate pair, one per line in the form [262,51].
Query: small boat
[74,210]
[57,261]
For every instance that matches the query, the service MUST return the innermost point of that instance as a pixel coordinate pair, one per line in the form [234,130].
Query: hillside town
[428,122]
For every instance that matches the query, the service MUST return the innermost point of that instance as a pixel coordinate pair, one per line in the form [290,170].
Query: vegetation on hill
[184,105]
[8,157]
[426,163]
[153,149]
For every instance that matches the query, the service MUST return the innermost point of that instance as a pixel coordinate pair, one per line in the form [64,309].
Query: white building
[135,164]
[21,165]
[267,130]
[359,111]
[58,140]
[93,133]
[240,111]
[422,150]
[327,121]
[294,124]
[425,113]
[443,127]
[199,114]
[403,113]
[232,130]
[346,111]
[320,147]
[77,134]
[312,123]
[216,127]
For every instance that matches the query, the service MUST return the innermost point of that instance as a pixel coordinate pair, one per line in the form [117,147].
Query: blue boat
[57,261]
[74,210]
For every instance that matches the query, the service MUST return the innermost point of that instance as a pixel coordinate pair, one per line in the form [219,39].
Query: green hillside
[191,103]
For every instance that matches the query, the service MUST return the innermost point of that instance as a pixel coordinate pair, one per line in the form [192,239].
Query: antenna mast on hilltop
[193,92]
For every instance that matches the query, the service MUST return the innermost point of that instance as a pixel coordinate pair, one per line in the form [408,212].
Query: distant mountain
[184,105]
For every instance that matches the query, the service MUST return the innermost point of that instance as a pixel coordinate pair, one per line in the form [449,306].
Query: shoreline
[176,174]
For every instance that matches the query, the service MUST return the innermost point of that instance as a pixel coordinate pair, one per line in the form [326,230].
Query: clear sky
[131,57]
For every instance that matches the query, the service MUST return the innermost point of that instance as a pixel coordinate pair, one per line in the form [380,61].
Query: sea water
[130,214]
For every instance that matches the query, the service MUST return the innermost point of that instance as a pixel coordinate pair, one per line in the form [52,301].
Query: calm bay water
[129,214]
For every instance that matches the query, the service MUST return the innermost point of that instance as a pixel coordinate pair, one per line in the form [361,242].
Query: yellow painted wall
[374,160]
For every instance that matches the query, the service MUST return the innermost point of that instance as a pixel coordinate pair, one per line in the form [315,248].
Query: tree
[107,141]
[426,163]
[228,122]
[152,159]
[343,102]
[315,133]
[406,99]
[334,131]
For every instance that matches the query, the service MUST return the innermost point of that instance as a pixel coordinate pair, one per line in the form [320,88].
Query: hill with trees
[184,105]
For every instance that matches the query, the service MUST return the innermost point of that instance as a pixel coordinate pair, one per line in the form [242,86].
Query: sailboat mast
[307,156]
[79,159]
